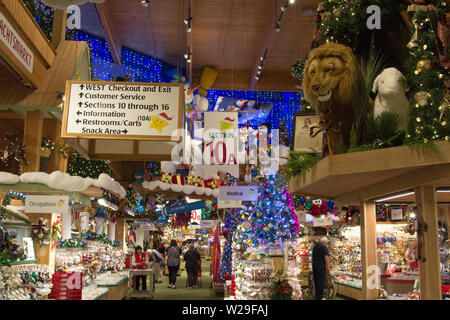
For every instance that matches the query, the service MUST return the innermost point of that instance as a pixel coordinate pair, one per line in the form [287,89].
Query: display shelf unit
[348,290]
[361,178]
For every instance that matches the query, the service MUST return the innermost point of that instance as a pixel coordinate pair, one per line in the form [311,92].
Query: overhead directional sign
[122,110]
[238,193]
[184,207]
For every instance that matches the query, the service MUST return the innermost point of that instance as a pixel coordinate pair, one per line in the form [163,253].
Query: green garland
[79,166]
[72,243]
[103,238]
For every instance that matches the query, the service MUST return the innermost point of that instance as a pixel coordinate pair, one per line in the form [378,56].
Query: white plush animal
[201,102]
[390,90]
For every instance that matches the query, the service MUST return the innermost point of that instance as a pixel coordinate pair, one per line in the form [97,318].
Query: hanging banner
[12,40]
[323,222]
[208,223]
[221,137]
[227,204]
[238,193]
[122,110]
[184,207]
[196,218]
[46,204]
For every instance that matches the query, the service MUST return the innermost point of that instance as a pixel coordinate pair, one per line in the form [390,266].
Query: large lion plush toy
[332,83]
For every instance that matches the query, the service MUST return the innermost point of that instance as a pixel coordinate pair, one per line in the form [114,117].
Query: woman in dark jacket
[192,258]
[173,262]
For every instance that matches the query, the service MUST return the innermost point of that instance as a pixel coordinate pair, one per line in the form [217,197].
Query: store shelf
[347,178]
[23,262]
[348,285]
[113,284]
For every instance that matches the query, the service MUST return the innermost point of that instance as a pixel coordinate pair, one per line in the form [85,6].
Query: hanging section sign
[122,110]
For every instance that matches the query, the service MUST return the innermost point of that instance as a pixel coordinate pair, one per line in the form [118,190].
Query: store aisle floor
[182,292]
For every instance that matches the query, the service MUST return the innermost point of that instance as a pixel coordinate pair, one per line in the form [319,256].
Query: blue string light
[285,104]
[143,68]
[140,67]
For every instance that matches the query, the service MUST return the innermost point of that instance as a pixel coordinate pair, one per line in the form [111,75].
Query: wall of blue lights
[143,68]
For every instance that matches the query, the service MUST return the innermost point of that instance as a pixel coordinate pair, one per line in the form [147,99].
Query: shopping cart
[329,292]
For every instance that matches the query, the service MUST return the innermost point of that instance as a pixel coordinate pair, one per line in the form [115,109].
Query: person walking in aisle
[158,266]
[140,261]
[173,262]
[321,266]
[192,258]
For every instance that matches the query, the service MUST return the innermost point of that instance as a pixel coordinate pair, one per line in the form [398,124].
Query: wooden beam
[111,35]
[238,80]
[32,140]
[428,241]
[423,176]
[59,27]
[368,249]
[121,233]
[267,40]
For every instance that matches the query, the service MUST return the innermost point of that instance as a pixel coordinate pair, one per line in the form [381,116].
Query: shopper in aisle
[173,262]
[321,266]
[192,258]
[162,249]
[140,261]
[158,265]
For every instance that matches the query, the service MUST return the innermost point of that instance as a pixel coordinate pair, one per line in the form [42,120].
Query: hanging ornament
[422,98]
[424,65]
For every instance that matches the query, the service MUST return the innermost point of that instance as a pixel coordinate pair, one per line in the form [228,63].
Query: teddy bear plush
[389,88]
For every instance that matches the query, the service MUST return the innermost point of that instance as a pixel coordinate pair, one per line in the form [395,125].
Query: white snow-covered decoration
[186,189]
[64,4]
[168,166]
[8,178]
[391,95]
[64,181]
[285,153]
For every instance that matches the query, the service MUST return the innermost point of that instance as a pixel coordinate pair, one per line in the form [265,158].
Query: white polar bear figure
[390,89]
[201,102]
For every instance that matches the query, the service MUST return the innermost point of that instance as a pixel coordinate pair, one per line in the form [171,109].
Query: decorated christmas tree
[271,217]
[428,75]
[225,268]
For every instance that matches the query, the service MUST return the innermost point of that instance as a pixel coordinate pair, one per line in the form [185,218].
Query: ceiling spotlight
[278,29]
[186,22]
[188,60]
[189,29]
[256,78]
[282,9]
[291,1]
[145,3]
[186,56]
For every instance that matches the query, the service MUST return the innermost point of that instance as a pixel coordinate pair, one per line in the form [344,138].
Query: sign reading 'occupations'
[122,110]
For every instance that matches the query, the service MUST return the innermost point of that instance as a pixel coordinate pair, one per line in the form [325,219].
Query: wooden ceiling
[228,35]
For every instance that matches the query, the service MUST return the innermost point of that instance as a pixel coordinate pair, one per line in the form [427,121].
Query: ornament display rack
[360,178]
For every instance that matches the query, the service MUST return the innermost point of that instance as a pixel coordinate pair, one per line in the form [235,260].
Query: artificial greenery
[79,166]
[281,289]
[425,78]
[103,238]
[43,15]
[298,69]
[341,21]
[299,163]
